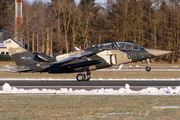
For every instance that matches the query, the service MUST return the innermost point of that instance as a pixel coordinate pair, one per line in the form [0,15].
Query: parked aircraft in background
[83,61]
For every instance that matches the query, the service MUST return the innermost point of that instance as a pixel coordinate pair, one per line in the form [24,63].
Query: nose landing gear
[148,68]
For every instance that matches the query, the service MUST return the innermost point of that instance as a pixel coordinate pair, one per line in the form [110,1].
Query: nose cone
[158,52]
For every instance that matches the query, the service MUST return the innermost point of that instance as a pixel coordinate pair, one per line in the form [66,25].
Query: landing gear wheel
[148,68]
[80,77]
[88,77]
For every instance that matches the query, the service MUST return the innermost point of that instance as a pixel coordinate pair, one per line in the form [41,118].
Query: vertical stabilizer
[20,55]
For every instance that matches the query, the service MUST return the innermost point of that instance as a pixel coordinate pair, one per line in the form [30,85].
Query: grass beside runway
[89,107]
[99,75]
[104,74]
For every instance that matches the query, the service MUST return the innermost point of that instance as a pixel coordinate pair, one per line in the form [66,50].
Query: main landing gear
[84,76]
[148,68]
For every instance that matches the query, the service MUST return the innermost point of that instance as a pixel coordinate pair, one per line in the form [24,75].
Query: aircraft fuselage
[85,60]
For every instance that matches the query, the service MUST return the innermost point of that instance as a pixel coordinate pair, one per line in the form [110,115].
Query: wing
[73,66]
[82,64]
[66,60]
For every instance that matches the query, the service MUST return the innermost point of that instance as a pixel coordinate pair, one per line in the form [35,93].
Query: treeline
[59,26]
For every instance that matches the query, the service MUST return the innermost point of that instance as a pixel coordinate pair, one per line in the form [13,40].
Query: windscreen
[128,46]
[106,46]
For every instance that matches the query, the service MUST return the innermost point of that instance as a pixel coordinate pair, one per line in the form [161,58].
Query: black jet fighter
[83,61]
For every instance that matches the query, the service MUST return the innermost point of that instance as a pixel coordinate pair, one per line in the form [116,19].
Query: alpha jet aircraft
[83,61]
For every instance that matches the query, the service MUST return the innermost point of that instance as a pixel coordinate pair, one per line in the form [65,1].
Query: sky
[98,1]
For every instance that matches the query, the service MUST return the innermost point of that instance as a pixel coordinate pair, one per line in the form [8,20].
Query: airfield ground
[93,106]
[137,71]
[100,75]
[136,107]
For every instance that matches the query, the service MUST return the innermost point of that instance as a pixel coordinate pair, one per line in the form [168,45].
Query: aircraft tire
[148,69]
[88,78]
[80,77]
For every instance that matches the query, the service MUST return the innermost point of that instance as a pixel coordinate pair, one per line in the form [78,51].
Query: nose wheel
[148,68]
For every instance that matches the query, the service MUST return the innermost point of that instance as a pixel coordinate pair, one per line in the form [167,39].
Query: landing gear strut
[84,76]
[148,68]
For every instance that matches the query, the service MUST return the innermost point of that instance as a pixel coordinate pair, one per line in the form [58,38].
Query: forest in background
[58,26]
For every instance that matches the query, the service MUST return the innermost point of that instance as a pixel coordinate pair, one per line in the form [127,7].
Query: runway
[135,85]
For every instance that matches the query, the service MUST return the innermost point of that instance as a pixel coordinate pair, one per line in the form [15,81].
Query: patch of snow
[6,88]
[103,115]
[166,107]
[6,68]
[127,86]
[175,66]
[137,65]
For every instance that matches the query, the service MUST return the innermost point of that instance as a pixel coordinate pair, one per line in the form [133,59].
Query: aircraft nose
[158,52]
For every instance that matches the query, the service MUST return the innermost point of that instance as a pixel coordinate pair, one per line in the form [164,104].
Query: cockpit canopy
[120,46]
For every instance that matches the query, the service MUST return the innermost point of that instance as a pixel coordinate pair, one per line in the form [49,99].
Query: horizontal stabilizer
[19,70]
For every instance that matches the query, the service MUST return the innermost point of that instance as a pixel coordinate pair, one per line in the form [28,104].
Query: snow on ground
[7,89]
[6,68]
[165,107]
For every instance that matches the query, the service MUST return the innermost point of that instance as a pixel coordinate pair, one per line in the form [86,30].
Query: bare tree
[67,11]
[26,18]
[89,11]
[76,22]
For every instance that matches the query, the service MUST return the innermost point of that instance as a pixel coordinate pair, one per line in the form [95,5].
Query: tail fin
[20,55]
